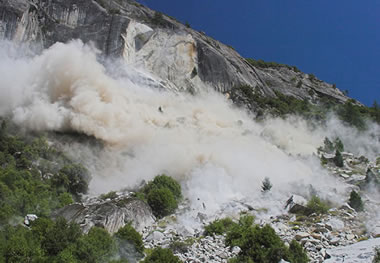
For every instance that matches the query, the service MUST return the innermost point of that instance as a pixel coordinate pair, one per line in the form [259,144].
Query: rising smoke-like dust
[217,151]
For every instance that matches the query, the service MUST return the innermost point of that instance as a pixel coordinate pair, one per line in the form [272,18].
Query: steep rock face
[109,214]
[183,58]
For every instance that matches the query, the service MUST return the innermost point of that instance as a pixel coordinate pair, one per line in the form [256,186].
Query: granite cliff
[183,58]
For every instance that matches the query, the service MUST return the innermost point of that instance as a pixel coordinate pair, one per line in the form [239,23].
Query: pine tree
[338,159]
[338,145]
[355,201]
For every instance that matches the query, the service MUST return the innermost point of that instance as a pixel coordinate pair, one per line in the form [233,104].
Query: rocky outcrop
[109,214]
[183,58]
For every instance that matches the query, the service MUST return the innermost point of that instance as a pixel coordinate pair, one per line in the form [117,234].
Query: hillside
[183,58]
[127,136]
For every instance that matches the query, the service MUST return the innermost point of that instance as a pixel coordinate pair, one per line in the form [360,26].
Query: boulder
[109,214]
[359,252]
[297,205]
[301,235]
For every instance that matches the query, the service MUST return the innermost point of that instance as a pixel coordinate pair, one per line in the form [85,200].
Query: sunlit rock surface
[183,58]
[109,214]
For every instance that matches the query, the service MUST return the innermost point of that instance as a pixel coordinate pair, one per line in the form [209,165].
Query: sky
[338,41]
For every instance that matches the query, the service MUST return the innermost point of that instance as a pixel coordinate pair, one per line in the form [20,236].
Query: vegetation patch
[355,201]
[258,244]
[35,178]
[128,233]
[159,255]
[162,194]
[263,64]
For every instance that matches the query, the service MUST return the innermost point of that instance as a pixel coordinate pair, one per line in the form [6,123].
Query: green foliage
[164,181]
[96,246]
[316,205]
[74,178]
[338,145]
[266,185]
[162,202]
[296,253]
[261,244]
[263,64]
[110,195]
[376,259]
[24,188]
[219,227]
[338,159]
[328,146]
[158,19]
[312,77]
[162,194]
[281,105]
[21,246]
[181,246]
[355,201]
[350,114]
[128,233]
[160,255]
[59,241]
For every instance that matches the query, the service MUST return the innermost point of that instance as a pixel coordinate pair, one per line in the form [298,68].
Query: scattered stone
[301,235]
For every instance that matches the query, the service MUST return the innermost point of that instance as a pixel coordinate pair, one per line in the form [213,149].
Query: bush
[96,246]
[164,181]
[355,201]
[376,259]
[162,202]
[158,19]
[160,255]
[219,227]
[296,253]
[350,114]
[110,195]
[261,244]
[75,178]
[338,159]
[128,233]
[316,205]
[162,194]
[338,145]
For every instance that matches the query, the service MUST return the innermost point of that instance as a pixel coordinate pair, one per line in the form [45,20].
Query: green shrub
[312,77]
[74,178]
[338,145]
[164,181]
[338,159]
[261,244]
[128,233]
[162,194]
[257,244]
[161,255]
[219,227]
[110,195]
[355,201]
[351,114]
[328,146]
[158,19]
[376,259]
[316,205]
[180,246]
[96,246]
[162,202]
[296,253]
